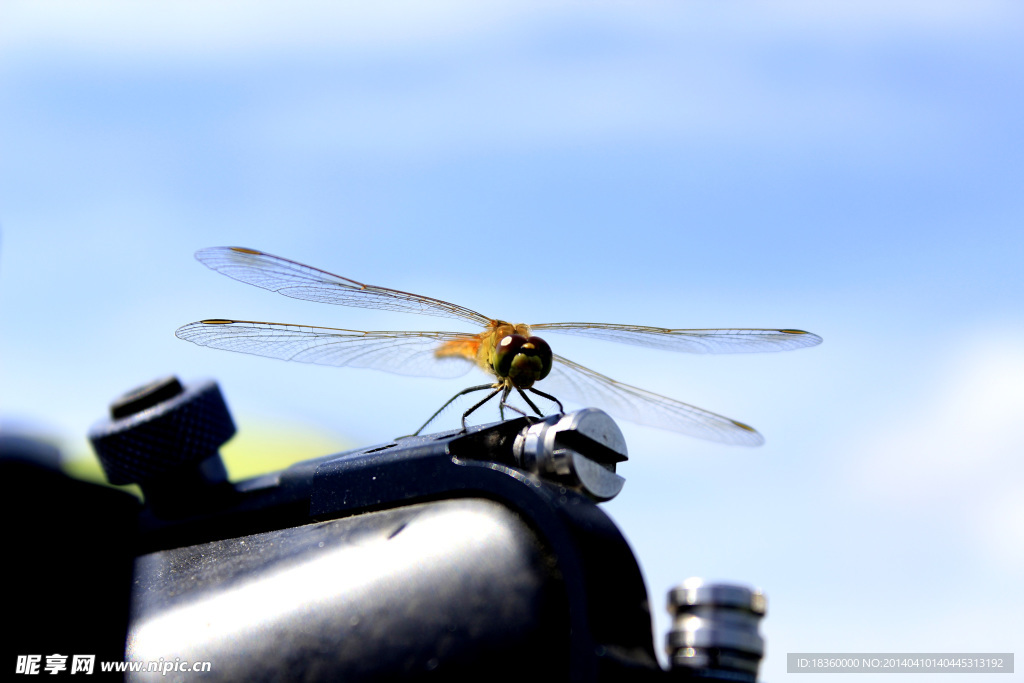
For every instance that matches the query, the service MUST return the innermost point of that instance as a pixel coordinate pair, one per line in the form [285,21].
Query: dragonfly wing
[404,353]
[694,341]
[584,386]
[299,281]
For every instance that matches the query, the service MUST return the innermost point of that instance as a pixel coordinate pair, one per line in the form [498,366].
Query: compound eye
[505,352]
[543,353]
[520,360]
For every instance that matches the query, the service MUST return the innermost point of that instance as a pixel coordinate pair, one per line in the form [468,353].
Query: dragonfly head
[522,360]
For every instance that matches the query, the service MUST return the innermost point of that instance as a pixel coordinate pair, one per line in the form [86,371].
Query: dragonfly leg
[501,404]
[505,404]
[518,410]
[480,403]
[447,403]
[549,397]
[531,403]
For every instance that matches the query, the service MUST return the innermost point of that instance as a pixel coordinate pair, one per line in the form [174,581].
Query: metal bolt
[715,629]
[578,449]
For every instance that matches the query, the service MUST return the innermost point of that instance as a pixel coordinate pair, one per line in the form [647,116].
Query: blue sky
[853,169]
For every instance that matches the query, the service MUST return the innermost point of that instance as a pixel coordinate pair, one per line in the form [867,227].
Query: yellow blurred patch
[263,446]
[260,446]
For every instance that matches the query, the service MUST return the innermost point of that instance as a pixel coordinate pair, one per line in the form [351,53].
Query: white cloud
[191,28]
[960,449]
[405,77]
[850,18]
[1001,526]
[969,431]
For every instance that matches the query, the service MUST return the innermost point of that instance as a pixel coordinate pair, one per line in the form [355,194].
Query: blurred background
[850,168]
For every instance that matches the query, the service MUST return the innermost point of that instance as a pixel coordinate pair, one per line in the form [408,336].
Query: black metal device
[67,568]
[463,555]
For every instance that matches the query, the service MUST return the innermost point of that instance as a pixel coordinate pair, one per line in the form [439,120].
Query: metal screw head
[578,449]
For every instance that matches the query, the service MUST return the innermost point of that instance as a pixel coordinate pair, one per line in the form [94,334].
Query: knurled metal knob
[162,431]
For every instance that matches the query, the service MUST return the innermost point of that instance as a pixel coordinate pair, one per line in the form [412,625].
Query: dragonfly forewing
[738,340]
[299,281]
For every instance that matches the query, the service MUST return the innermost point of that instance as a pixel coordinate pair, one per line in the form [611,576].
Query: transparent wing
[300,281]
[404,353]
[694,341]
[582,385]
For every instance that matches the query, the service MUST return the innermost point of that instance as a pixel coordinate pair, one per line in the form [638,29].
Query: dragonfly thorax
[521,360]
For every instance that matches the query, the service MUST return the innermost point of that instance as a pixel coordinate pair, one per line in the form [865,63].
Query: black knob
[165,437]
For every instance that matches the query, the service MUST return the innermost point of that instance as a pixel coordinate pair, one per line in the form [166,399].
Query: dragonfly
[515,358]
